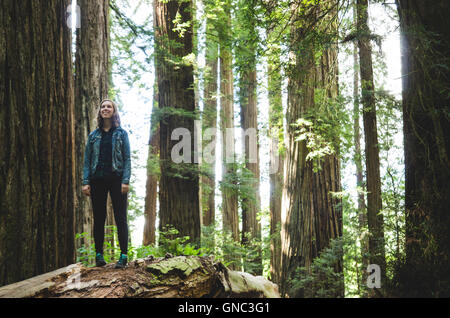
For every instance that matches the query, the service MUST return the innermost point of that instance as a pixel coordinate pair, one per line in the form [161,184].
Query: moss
[155,281]
[180,265]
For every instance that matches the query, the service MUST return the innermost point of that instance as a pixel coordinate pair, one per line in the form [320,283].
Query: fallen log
[169,277]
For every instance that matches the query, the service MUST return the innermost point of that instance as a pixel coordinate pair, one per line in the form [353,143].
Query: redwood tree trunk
[374,204]
[362,215]
[276,132]
[209,121]
[229,194]
[426,99]
[311,215]
[151,187]
[276,170]
[179,183]
[251,206]
[37,161]
[91,86]
[230,217]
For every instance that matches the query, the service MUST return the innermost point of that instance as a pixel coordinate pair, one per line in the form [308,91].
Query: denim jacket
[121,161]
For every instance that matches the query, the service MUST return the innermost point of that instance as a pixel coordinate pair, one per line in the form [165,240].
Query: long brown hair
[115,117]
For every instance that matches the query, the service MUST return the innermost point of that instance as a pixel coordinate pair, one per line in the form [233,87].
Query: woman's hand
[86,190]
[125,188]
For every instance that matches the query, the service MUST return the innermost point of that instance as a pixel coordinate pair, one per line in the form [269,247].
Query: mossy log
[169,277]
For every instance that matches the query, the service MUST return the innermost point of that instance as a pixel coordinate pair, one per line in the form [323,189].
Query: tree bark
[426,77]
[246,60]
[229,193]
[37,161]
[91,86]
[179,183]
[276,160]
[178,277]
[373,180]
[209,121]
[362,215]
[311,215]
[151,187]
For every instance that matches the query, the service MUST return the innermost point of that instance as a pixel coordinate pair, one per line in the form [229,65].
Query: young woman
[107,168]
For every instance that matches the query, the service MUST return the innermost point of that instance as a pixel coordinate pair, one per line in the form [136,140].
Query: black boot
[99,260]
[122,261]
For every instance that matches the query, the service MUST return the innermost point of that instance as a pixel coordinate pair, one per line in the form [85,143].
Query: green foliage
[180,26]
[352,248]
[169,242]
[234,254]
[231,253]
[318,147]
[325,129]
[162,114]
[153,163]
[226,250]
[265,245]
[86,252]
[323,279]
[130,40]
[392,179]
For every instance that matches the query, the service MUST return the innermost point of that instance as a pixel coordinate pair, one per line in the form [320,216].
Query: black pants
[99,195]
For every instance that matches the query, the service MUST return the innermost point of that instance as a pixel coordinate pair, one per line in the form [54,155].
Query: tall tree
[37,161]
[91,86]
[311,215]
[357,157]
[246,61]
[426,99]
[229,194]
[151,187]
[276,149]
[373,181]
[179,182]
[209,118]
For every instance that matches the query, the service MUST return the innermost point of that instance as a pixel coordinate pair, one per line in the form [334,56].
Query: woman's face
[106,109]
